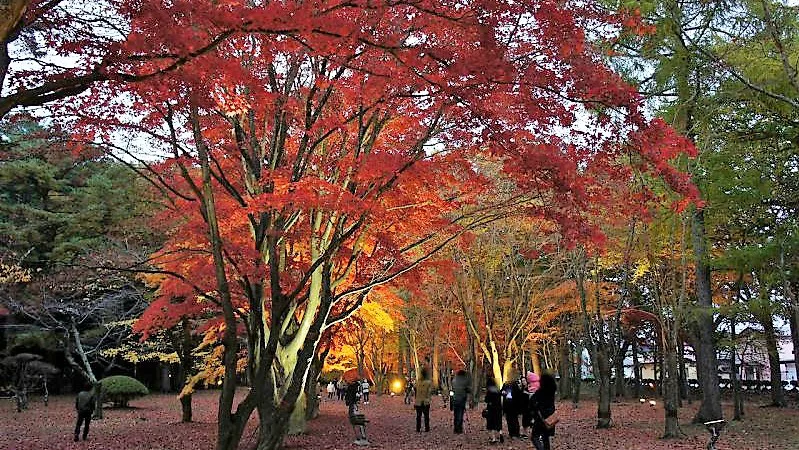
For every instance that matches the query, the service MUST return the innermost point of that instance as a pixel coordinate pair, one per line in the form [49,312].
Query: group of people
[531,398]
[339,389]
[527,403]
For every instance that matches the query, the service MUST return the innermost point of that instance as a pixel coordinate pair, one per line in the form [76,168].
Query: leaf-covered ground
[153,425]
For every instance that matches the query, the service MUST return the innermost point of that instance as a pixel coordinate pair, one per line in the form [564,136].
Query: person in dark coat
[493,411]
[460,392]
[542,405]
[410,391]
[532,383]
[84,406]
[513,403]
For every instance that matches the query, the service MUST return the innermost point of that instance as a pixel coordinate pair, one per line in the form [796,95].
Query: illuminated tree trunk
[297,420]
[535,358]
[400,355]
[436,370]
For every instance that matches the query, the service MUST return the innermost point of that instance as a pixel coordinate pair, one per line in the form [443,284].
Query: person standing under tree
[341,386]
[331,389]
[424,394]
[542,404]
[532,385]
[84,405]
[365,391]
[513,403]
[410,391]
[460,392]
[493,411]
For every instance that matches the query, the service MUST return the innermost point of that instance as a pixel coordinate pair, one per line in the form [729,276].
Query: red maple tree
[319,149]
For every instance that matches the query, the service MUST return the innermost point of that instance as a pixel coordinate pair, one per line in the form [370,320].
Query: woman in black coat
[493,411]
[542,405]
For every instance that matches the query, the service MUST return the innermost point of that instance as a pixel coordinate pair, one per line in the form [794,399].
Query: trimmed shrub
[120,389]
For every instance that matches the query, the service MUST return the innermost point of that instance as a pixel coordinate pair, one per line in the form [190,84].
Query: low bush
[120,389]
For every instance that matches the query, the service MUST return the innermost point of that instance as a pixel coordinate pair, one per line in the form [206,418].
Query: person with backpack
[84,406]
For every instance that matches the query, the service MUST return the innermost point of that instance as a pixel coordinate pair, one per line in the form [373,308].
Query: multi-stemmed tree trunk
[595,329]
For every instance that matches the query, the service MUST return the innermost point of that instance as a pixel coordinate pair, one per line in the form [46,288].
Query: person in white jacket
[331,389]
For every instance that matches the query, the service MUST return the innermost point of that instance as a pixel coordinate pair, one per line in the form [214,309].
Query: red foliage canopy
[367,116]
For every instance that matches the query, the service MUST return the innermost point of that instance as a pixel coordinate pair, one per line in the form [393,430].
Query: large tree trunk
[185,408]
[11,11]
[684,392]
[535,358]
[436,370]
[185,345]
[400,355]
[602,375]
[671,386]
[620,390]
[297,421]
[230,425]
[476,371]
[706,360]
[565,369]
[636,369]
[312,411]
[737,398]
[576,366]
[777,393]
[794,323]
[272,428]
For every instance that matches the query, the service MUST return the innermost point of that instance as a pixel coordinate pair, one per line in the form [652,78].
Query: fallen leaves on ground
[153,424]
